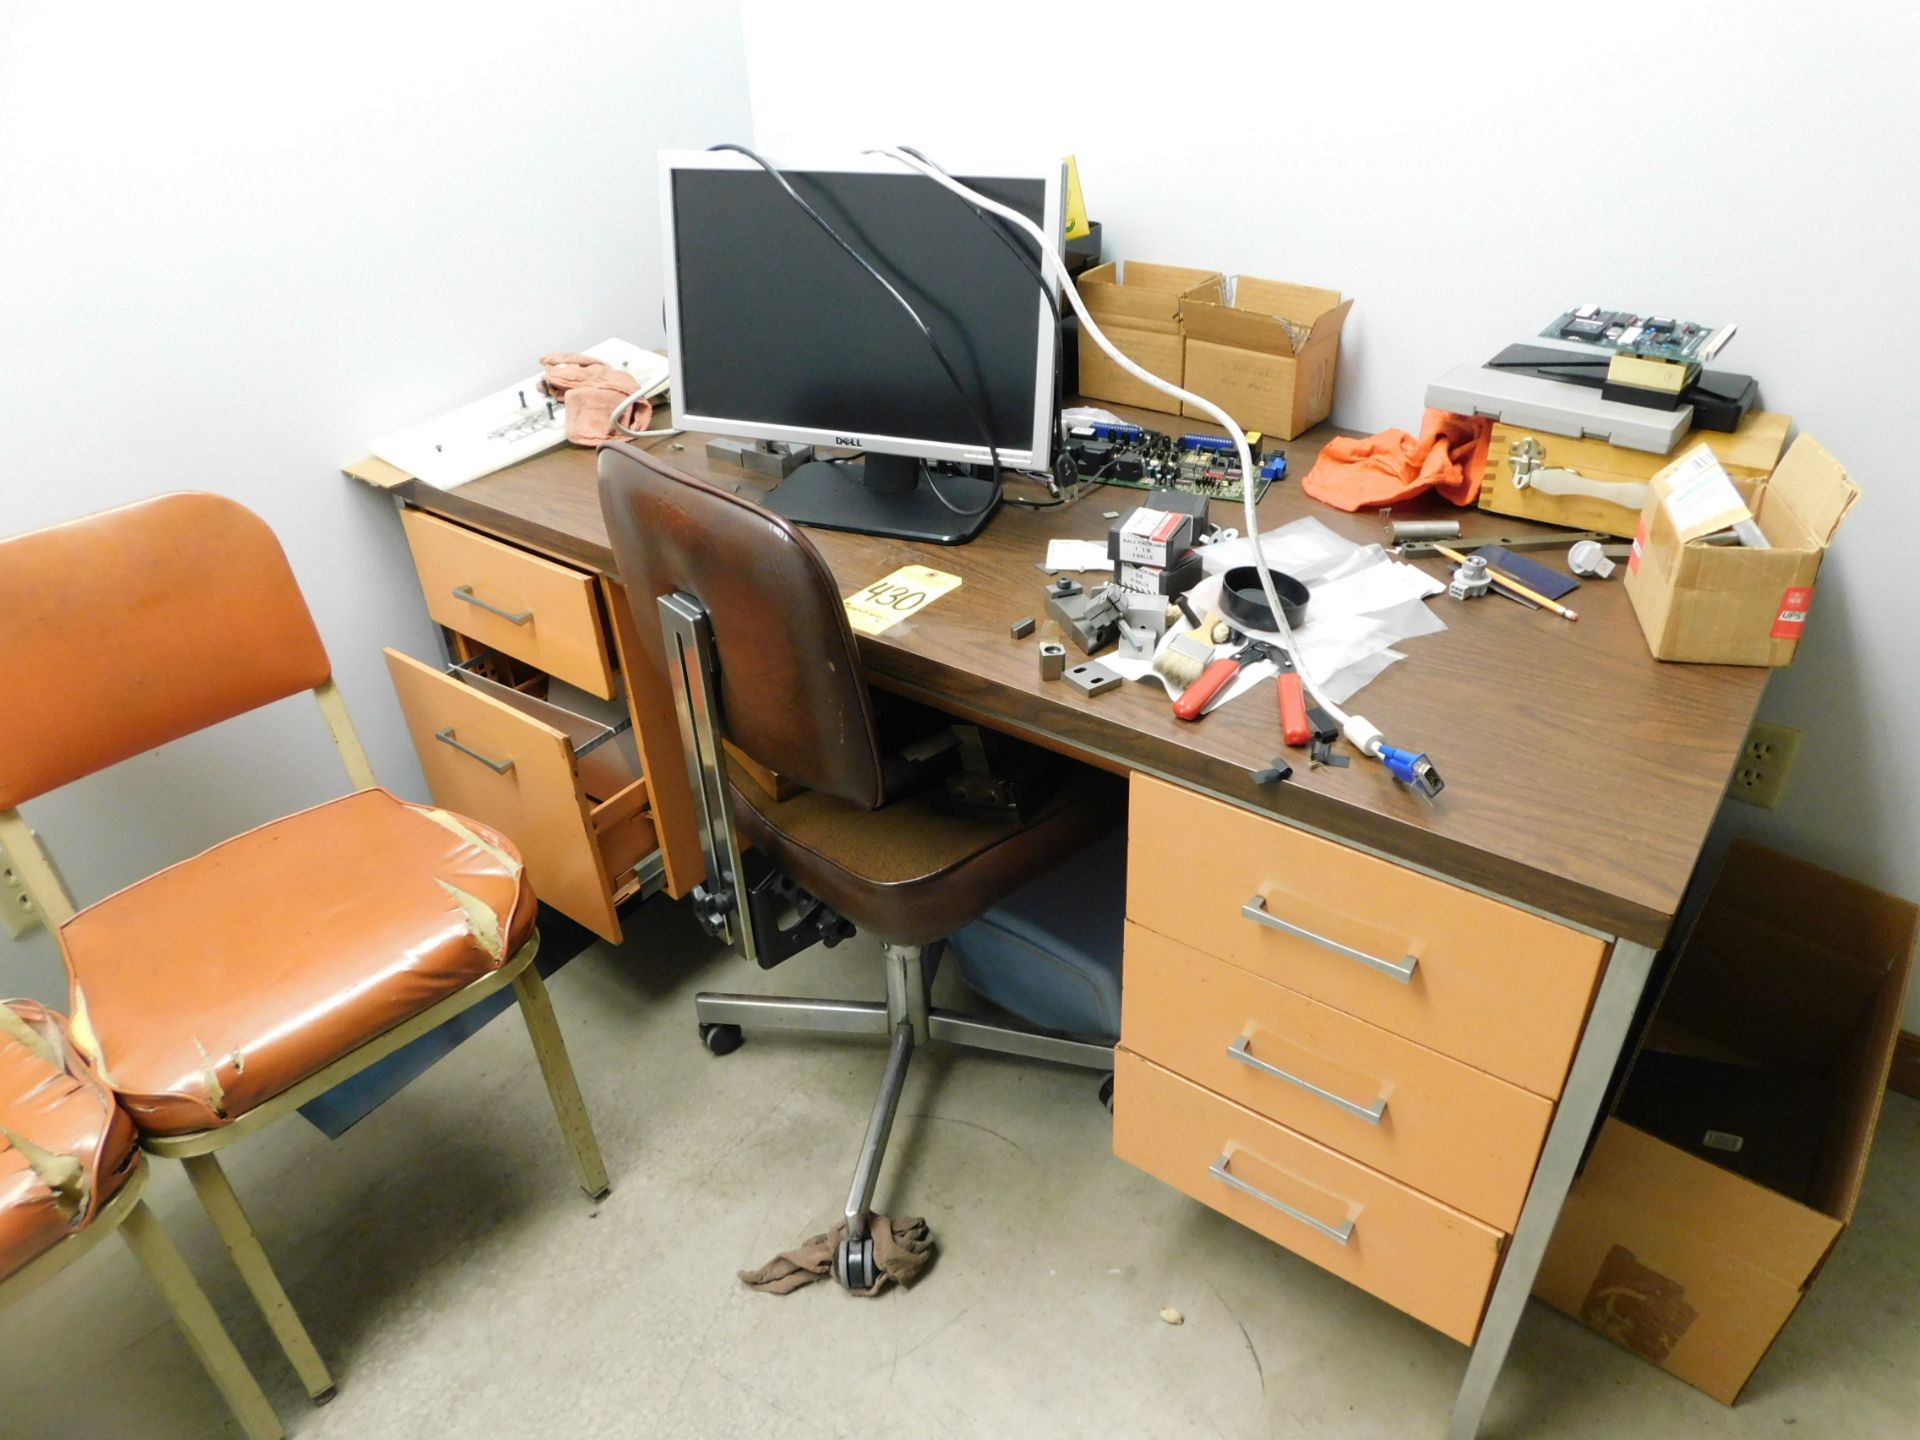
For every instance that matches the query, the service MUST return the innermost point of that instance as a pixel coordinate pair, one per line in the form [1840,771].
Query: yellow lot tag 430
[903,594]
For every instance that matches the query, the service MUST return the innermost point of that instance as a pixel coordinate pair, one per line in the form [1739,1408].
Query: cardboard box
[1749,451]
[1137,306]
[1732,605]
[1264,351]
[1789,990]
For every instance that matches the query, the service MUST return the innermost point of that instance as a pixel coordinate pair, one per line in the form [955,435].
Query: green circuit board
[1657,337]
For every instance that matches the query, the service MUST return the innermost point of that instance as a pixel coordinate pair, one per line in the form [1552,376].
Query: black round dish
[1245,603]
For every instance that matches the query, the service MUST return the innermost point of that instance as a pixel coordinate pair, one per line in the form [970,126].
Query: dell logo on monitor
[852,440]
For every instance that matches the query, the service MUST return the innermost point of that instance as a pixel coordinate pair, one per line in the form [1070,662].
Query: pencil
[1507,582]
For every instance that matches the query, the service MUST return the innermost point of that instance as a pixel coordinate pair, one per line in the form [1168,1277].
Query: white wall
[237,240]
[1467,171]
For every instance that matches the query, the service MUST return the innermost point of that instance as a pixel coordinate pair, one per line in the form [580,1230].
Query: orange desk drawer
[512,600]
[1413,1252]
[1453,1132]
[1481,981]
[581,821]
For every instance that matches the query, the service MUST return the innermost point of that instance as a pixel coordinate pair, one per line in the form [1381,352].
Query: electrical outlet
[1760,774]
[17,909]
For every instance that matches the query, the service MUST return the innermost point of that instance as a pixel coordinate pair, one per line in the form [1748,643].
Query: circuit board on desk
[1143,459]
[1656,337]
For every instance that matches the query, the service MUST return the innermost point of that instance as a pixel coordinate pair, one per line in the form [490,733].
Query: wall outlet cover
[17,910]
[1760,774]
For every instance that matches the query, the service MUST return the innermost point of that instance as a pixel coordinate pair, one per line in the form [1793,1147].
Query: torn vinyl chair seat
[71,1174]
[224,992]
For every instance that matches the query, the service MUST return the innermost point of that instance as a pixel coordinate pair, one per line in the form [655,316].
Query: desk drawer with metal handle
[1444,1128]
[561,787]
[512,600]
[1415,1253]
[1478,980]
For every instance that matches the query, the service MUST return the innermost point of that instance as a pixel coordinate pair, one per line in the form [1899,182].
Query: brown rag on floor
[1358,472]
[902,1250]
[591,389]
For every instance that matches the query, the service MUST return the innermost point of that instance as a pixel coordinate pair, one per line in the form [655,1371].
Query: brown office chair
[71,1174]
[226,991]
[739,617]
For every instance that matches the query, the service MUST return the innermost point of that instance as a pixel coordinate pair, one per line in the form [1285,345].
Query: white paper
[1078,555]
[1305,549]
[508,426]
[1361,602]
[1377,586]
[1700,498]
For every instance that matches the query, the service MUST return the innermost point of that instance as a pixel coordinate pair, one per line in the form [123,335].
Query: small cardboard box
[1137,306]
[1264,351]
[1146,536]
[1729,604]
[1692,1246]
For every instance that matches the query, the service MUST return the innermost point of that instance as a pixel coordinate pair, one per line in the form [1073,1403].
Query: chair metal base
[907,1020]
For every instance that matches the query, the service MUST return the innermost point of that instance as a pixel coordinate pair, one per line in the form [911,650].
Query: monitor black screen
[779,326]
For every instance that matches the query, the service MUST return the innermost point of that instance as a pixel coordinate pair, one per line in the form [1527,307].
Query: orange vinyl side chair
[71,1173]
[224,992]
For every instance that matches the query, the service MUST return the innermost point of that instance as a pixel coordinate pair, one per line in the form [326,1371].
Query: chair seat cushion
[910,872]
[213,986]
[65,1147]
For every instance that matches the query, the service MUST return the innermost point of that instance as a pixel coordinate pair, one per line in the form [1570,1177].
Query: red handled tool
[1295,728]
[1213,679]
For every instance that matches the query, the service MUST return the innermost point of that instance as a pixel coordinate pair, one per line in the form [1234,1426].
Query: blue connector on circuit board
[1274,467]
[1412,769]
[1123,434]
[1215,444]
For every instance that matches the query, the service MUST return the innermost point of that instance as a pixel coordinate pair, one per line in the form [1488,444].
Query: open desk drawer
[512,600]
[581,817]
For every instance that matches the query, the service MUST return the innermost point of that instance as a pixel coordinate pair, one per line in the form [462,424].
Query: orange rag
[591,390]
[1358,472]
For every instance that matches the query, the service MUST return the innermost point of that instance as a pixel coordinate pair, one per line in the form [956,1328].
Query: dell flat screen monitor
[774,332]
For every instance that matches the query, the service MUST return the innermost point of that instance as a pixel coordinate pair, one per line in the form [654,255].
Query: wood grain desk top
[1581,774]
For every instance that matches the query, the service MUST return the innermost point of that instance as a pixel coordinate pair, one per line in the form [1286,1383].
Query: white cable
[1283,632]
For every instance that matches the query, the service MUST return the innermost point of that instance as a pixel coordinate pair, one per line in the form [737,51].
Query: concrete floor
[461,1285]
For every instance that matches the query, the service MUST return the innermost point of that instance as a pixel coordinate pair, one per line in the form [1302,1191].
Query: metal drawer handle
[1369,1113]
[1401,970]
[499,767]
[465,592]
[1339,1234]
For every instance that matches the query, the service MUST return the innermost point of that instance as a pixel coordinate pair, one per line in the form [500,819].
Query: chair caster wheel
[853,1264]
[1106,1093]
[722,1039]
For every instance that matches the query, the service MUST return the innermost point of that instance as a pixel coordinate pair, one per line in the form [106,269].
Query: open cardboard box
[1137,305]
[1264,351]
[1763,1071]
[1728,604]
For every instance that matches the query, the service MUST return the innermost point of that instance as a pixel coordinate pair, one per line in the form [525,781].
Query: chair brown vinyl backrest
[791,691]
[133,627]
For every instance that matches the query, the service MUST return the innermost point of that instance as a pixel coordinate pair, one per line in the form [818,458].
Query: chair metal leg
[193,1313]
[223,1208]
[551,1050]
[975,1034]
[873,1148]
[777,1012]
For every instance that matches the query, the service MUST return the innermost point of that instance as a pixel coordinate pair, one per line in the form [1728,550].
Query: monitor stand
[883,495]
